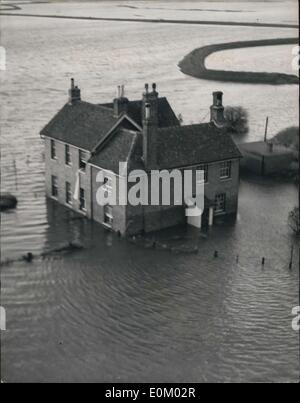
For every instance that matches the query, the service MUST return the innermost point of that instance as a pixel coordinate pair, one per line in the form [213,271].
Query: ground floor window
[82,205]
[68,193]
[54,186]
[108,215]
[220,203]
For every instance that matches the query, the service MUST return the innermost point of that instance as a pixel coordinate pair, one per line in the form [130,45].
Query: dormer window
[82,160]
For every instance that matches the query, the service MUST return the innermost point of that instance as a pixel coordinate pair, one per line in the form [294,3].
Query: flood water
[115,311]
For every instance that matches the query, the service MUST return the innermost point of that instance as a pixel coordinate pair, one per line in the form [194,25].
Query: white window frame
[225,170]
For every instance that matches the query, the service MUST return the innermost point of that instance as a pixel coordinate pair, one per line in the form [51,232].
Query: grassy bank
[194,64]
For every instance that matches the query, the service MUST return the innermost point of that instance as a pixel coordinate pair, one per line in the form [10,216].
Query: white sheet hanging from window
[77,186]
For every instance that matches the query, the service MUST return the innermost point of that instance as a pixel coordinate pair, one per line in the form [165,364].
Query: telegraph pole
[266,129]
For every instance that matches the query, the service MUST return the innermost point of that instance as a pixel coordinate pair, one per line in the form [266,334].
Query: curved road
[194,64]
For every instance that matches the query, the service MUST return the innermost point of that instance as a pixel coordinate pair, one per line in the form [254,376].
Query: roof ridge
[193,125]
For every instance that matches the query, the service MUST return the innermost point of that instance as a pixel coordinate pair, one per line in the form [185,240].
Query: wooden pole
[266,129]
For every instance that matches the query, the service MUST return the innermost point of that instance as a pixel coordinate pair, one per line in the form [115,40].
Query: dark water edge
[194,64]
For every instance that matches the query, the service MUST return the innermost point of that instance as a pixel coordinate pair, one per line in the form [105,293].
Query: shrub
[236,120]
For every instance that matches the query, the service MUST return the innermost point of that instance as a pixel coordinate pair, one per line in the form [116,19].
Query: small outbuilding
[265,158]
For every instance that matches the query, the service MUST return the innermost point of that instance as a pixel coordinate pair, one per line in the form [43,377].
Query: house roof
[84,125]
[194,144]
[177,147]
[124,146]
[81,124]
[166,115]
[262,148]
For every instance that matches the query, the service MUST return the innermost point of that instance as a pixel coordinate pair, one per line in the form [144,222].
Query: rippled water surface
[115,311]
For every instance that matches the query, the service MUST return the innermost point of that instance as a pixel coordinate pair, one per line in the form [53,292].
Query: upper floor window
[204,168]
[225,170]
[67,155]
[54,186]
[82,160]
[53,149]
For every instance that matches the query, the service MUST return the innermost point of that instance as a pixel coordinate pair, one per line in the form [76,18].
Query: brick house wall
[130,219]
[66,173]
[230,186]
[98,211]
[135,219]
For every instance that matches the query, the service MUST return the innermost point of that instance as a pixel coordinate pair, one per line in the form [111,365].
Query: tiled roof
[82,124]
[123,146]
[194,144]
[262,148]
[166,115]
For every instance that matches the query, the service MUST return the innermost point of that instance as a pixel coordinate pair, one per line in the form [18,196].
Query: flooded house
[84,139]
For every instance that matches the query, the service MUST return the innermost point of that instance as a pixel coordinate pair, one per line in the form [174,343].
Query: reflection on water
[114,311]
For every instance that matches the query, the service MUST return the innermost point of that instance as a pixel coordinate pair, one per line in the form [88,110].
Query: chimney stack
[150,126]
[217,109]
[121,102]
[74,93]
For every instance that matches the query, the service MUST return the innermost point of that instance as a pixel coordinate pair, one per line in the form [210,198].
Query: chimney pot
[217,109]
[74,93]
[218,98]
